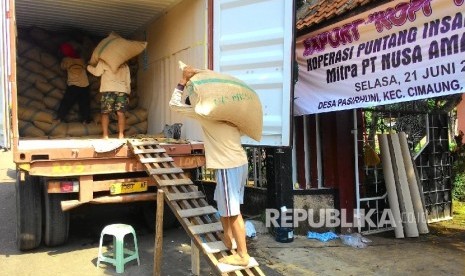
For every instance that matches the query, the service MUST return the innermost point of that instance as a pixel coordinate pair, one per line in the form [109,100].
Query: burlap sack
[44,87]
[115,50]
[25,102]
[46,59]
[223,97]
[23,86]
[136,116]
[97,98]
[133,116]
[96,117]
[73,115]
[52,103]
[94,105]
[29,77]
[133,101]
[53,129]
[28,129]
[23,46]
[140,128]
[32,115]
[52,77]
[32,93]
[79,129]
[56,93]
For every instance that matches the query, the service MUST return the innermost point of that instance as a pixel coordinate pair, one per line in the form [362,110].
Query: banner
[400,51]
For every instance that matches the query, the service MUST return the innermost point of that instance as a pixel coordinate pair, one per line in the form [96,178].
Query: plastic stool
[118,231]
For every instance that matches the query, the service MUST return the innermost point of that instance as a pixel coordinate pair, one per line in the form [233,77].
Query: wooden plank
[159,171]
[143,143]
[195,212]
[195,259]
[182,196]
[215,247]
[156,160]
[226,268]
[157,256]
[143,151]
[206,228]
[174,182]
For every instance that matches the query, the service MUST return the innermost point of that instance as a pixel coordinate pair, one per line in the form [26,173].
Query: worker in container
[224,153]
[77,90]
[115,88]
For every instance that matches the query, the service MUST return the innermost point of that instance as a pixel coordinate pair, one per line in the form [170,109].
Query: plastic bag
[355,240]
[250,229]
[324,237]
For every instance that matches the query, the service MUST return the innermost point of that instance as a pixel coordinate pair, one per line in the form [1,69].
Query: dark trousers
[75,94]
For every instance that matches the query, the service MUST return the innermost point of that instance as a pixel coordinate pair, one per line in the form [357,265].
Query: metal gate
[428,138]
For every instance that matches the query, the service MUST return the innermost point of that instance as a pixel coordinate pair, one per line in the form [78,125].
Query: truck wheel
[56,222]
[149,210]
[28,212]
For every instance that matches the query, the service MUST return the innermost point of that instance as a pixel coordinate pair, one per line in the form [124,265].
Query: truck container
[58,172]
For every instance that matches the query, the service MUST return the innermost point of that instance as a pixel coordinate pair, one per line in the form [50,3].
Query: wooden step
[156,160]
[226,268]
[165,171]
[137,143]
[196,212]
[183,196]
[215,247]
[205,228]
[174,182]
[144,151]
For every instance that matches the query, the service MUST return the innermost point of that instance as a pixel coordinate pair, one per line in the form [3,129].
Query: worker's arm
[177,105]
[97,70]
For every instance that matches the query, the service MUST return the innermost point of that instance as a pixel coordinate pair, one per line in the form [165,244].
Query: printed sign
[397,52]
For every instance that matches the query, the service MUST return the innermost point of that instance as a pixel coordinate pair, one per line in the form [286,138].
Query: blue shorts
[229,191]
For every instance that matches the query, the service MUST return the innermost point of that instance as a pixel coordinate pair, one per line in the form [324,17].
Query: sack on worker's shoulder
[115,50]
[223,97]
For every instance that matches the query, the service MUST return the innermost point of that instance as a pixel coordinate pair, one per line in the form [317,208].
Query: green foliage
[458,191]
[458,169]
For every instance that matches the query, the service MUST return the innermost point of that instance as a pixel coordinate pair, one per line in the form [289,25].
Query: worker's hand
[187,73]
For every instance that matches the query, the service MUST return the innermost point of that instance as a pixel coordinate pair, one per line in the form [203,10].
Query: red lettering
[334,37]
[398,16]
[416,5]
[337,36]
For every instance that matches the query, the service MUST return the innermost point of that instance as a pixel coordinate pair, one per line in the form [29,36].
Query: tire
[56,222]
[149,210]
[28,212]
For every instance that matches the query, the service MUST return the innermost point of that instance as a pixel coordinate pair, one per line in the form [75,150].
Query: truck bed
[53,157]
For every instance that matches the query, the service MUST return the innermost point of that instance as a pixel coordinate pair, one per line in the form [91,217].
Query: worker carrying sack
[115,50]
[222,97]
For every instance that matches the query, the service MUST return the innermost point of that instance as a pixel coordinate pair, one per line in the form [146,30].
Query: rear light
[69,186]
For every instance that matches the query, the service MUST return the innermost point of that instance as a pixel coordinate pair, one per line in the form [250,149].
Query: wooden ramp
[190,206]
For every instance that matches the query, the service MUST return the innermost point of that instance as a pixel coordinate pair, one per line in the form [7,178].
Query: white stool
[118,231]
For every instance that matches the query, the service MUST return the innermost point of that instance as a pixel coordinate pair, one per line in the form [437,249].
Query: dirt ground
[441,252]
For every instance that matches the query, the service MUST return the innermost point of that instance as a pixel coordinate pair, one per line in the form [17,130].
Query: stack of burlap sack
[41,84]
[221,97]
